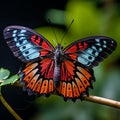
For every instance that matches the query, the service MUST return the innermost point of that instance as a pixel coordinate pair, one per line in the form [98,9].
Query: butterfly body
[57,63]
[68,71]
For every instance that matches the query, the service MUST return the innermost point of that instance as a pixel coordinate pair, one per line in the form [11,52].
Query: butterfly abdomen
[56,77]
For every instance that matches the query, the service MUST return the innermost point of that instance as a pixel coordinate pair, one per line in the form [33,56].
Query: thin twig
[103,101]
[8,107]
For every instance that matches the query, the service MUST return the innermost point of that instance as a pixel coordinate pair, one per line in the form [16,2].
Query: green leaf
[5,79]
[10,80]
[4,73]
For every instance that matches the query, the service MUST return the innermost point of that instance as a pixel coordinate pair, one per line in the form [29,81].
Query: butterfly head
[58,52]
[59,46]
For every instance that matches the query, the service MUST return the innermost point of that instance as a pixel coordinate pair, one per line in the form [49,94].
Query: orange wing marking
[75,90]
[80,86]
[37,86]
[83,80]
[51,86]
[29,68]
[44,87]
[30,75]
[63,88]
[32,82]
[84,72]
[69,91]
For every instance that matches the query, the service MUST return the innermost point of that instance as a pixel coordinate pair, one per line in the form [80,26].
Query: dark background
[25,13]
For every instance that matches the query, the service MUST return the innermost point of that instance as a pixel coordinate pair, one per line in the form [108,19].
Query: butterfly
[65,71]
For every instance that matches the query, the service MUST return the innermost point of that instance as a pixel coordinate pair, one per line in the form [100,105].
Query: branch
[101,100]
[4,102]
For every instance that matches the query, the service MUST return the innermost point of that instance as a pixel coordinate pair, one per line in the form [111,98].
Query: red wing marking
[35,39]
[82,46]
[73,56]
[69,66]
[72,49]
[44,52]
[45,45]
[76,47]
[67,70]
[47,68]
[40,42]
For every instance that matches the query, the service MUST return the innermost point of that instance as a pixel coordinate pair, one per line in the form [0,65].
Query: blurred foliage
[91,17]
[4,73]
[5,78]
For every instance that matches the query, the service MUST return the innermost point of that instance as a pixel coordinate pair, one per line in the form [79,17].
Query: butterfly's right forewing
[90,51]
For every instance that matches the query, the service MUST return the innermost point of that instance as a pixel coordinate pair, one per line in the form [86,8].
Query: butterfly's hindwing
[90,51]
[75,80]
[26,44]
[38,77]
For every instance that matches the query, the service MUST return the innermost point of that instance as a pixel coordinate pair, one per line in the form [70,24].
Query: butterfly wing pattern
[75,62]
[91,51]
[26,44]
[34,50]
[76,70]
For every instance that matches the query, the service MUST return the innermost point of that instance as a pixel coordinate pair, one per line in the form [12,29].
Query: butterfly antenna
[53,32]
[66,31]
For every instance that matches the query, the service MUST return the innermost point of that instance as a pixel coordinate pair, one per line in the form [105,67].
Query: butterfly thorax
[58,53]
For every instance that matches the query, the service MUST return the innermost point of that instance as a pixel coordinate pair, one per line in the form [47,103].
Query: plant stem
[4,102]
[101,100]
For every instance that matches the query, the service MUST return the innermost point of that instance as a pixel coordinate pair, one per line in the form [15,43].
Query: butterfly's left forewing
[26,44]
